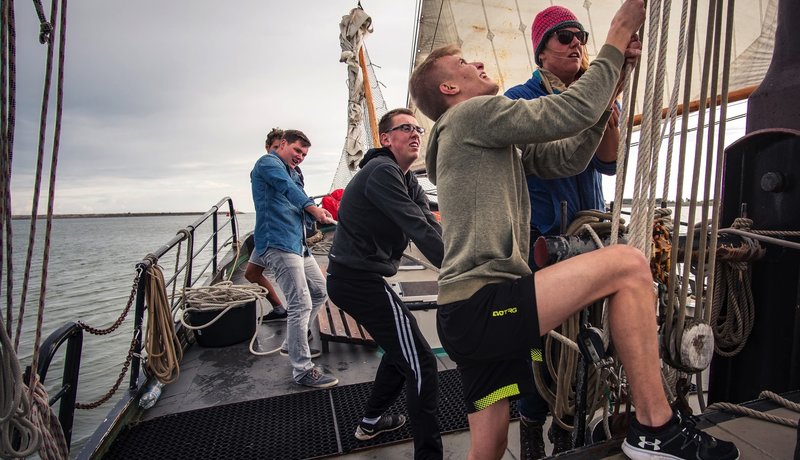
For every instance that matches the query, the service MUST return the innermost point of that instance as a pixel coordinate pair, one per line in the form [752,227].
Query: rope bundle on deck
[221,298]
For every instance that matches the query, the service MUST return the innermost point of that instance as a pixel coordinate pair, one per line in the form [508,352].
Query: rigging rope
[42,424]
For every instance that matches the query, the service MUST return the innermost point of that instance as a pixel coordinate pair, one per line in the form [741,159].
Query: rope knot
[45,30]
[742,223]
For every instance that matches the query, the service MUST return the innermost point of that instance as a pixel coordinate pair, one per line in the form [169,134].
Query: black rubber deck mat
[299,425]
[295,426]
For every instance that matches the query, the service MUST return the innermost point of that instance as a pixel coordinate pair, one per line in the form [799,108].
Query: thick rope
[712,258]
[8,82]
[622,153]
[54,444]
[733,326]
[672,284]
[163,348]
[673,100]
[735,408]
[15,405]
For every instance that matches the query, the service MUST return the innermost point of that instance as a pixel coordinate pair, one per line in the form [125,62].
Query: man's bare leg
[621,273]
[488,430]
[255,274]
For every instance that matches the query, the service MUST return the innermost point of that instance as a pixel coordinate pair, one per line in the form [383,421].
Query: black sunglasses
[407,128]
[565,36]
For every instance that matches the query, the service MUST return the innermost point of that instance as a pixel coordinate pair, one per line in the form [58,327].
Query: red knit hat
[548,21]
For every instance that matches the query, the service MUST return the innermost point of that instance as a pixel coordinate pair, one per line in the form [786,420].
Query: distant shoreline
[119,214]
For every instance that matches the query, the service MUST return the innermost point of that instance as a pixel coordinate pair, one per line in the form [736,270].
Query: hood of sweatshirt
[375,153]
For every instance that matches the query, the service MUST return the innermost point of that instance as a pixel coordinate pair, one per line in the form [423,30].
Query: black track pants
[408,358]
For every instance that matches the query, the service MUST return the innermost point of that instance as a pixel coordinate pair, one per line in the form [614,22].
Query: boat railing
[193,269]
[71,333]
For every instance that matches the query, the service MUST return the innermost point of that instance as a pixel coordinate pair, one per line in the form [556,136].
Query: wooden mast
[733,96]
[373,122]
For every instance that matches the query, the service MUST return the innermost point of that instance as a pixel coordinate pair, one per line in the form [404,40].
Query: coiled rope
[54,444]
[221,298]
[733,289]
[15,406]
[163,349]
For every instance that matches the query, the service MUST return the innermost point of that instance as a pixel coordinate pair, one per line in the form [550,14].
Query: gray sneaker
[316,379]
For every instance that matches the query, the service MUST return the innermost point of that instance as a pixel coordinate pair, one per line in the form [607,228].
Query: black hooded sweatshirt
[380,210]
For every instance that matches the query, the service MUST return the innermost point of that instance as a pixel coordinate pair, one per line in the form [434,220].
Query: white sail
[498,33]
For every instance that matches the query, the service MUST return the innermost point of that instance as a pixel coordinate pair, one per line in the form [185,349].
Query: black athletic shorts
[493,336]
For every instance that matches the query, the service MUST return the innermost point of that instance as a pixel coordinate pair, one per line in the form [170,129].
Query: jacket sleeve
[273,171]
[566,157]
[605,168]
[497,121]
[386,188]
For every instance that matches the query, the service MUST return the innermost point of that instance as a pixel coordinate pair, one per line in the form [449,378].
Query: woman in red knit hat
[559,41]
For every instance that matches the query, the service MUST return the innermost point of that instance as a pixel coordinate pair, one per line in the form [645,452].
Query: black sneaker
[366,431]
[561,438]
[531,441]
[314,352]
[680,439]
[274,316]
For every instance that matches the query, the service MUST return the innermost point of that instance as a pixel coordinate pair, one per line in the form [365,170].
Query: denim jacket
[279,199]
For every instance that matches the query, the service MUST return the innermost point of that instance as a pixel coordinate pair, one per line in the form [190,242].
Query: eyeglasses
[407,128]
[565,36]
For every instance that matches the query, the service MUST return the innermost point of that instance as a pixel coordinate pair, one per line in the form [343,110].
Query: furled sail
[498,33]
[365,102]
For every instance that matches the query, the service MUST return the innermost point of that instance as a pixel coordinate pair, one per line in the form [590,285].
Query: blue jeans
[303,286]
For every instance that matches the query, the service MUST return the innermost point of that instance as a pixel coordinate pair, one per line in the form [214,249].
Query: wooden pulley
[691,351]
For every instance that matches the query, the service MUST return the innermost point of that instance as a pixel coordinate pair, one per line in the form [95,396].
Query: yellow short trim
[501,393]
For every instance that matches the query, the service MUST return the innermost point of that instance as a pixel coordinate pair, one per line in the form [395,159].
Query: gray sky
[167,104]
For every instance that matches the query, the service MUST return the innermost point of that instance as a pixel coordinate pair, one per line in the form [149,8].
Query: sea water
[89,277]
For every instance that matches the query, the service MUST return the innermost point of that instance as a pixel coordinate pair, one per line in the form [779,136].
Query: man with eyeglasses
[492,308]
[558,43]
[382,207]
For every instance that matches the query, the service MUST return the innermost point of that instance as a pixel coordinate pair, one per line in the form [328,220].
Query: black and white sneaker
[274,316]
[366,431]
[679,439]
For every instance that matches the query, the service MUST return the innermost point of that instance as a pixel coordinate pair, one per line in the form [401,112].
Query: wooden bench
[337,326]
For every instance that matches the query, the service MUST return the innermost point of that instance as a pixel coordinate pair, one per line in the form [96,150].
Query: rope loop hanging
[163,348]
[733,309]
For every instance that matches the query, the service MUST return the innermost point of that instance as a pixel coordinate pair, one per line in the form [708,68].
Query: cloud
[167,104]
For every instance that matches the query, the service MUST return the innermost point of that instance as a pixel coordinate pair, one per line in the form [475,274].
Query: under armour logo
[653,445]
